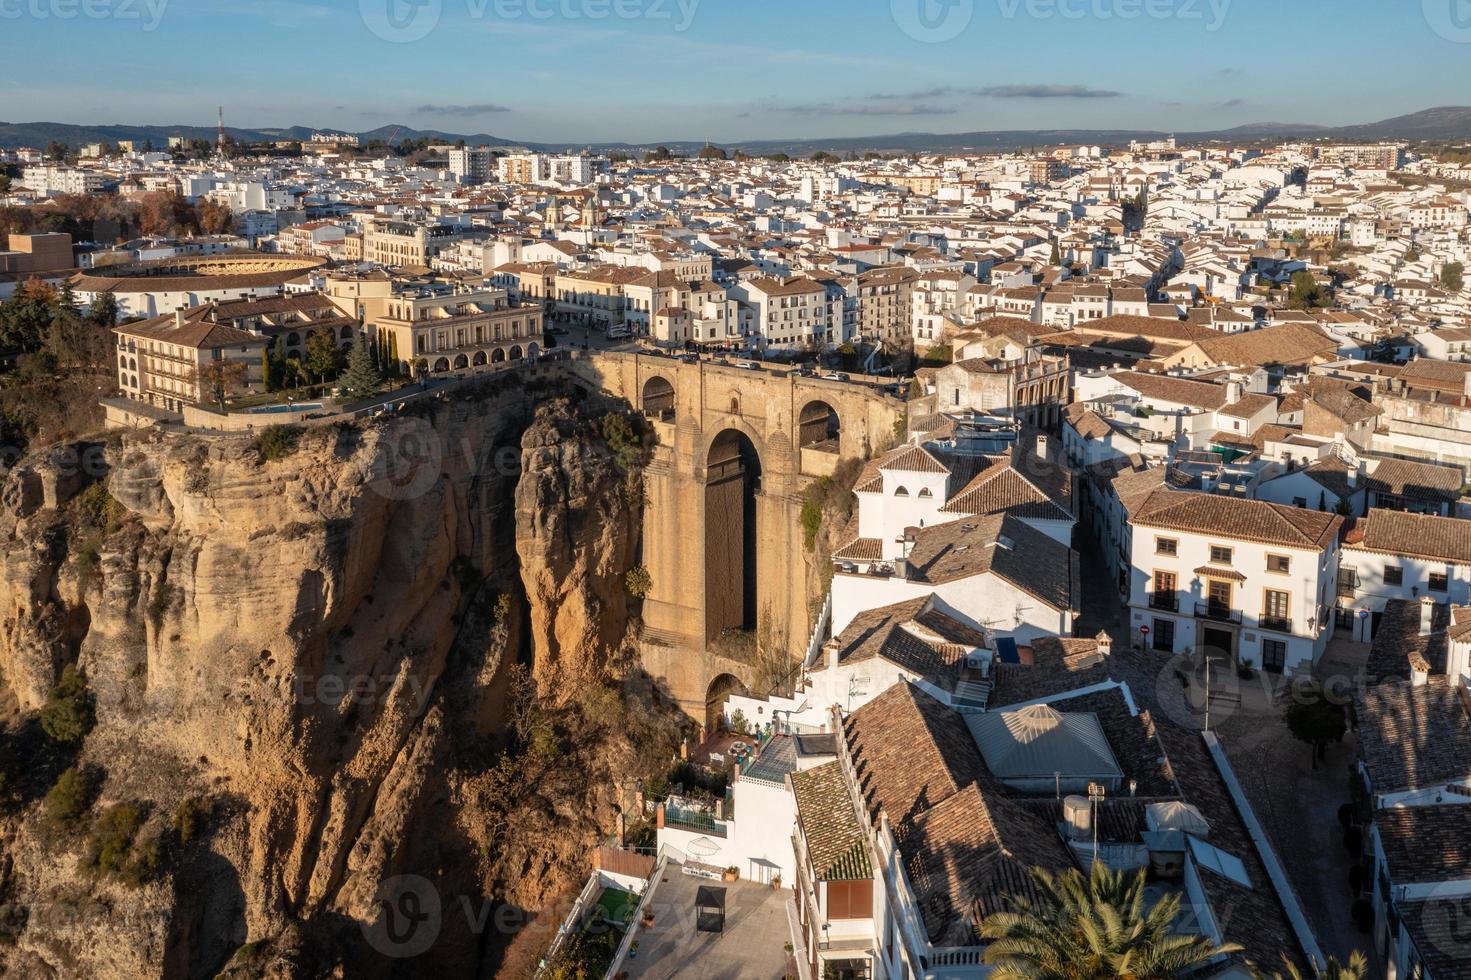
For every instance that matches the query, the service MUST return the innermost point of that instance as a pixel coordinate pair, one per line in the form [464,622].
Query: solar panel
[1222,863]
[1006,650]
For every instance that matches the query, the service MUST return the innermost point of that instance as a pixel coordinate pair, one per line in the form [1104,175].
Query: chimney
[1233,392]
[1419,671]
[1042,445]
[1427,613]
[832,654]
[1105,643]
[179,317]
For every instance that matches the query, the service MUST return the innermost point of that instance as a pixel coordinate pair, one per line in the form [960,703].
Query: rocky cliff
[328,671]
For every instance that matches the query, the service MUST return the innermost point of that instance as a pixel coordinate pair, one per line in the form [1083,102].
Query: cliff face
[319,647]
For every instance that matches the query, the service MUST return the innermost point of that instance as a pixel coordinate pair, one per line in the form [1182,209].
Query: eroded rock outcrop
[318,648]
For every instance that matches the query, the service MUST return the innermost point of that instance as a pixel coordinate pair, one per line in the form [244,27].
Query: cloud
[1231,72]
[478,109]
[1233,103]
[1046,92]
[876,108]
[929,93]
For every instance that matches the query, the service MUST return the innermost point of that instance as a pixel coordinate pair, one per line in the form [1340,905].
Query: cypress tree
[361,378]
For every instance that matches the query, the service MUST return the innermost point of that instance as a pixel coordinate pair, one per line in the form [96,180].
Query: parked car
[836,376]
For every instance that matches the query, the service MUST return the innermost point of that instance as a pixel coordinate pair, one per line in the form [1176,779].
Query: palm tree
[1092,929]
[1356,969]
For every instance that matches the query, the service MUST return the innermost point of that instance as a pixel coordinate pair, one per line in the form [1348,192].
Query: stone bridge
[723,540]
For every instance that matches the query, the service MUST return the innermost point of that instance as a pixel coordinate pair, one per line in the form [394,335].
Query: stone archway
[461,361]
[720,688]
[478,359]
[819,427]
[497,356]
[732,482]
[658,398]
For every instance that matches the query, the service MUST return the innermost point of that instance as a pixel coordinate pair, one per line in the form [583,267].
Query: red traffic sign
[1144,630]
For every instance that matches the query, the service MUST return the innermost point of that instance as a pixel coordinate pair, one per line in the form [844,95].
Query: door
[1218,644]
[1274,656]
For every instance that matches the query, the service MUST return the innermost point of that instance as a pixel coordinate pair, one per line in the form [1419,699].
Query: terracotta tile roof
[1002,489]
[835,839]
[1436,925]
[1398,640]
[913,635]
[1182,391]
[964,846]
[912,459]
[1413,737]
[1397,532]
[1248,520]
[1426,843]
[1001,545]
[1417,481]
[1289,343]
[1059,664]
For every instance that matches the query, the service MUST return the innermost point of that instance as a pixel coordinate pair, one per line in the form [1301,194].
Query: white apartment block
[1243,581]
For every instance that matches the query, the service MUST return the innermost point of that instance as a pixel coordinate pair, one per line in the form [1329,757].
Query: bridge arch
[720,688]
[658,397]
[732,484]
[819,426]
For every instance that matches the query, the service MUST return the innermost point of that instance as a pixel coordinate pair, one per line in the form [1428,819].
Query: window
[1220,555]
[1166,546]
[901,492]
[1279,563]
[1218,592]
[1394,575]
[1439,582]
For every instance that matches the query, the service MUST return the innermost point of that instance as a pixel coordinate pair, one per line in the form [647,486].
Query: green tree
[1306,291]
[70,798]
[218,380]
[1093,928]
[68,714]
[56,151]
[1452,276]
[712,153]
[361,378]
[104,311]
[323,356]
[1056,258]
[1313,719]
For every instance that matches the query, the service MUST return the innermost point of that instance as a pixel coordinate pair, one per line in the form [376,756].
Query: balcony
[1220,612]
[1168,601]
[1276,624]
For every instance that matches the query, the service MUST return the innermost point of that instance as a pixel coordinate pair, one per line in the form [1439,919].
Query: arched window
[924,493]
[901,492]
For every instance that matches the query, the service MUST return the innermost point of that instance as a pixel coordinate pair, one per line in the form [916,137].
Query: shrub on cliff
[638,581]
[113,847]
[68,714]
[70,799]
[276,442]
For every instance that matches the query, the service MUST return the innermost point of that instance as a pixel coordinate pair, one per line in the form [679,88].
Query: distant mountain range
[1442,123]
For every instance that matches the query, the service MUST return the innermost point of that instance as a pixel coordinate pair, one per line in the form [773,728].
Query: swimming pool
[279,409]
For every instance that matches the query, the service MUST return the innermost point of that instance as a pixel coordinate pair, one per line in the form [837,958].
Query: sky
[642,71]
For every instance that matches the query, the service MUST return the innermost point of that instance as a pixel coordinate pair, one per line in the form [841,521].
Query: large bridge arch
[732,486]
